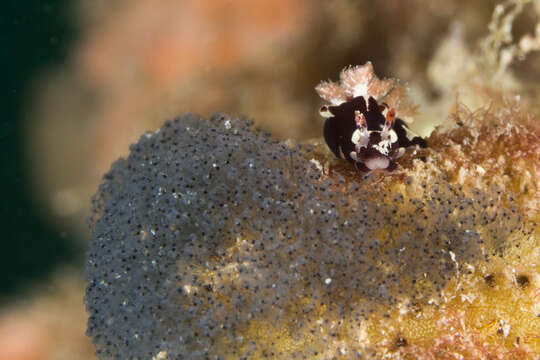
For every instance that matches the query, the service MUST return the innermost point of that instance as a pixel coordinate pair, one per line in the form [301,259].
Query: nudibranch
[361,124]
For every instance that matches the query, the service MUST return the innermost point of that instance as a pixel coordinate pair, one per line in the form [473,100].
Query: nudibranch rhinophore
[360,126]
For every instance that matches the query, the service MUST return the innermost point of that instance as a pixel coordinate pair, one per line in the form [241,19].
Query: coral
[212,240]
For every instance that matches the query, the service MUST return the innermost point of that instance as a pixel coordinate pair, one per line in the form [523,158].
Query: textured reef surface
[211,240]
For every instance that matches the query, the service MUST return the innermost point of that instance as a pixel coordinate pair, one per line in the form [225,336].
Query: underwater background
[83,80]
[36,37]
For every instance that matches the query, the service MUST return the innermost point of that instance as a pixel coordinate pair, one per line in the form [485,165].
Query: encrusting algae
[211,240]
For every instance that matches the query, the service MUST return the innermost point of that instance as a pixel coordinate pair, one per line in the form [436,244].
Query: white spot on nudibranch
[383,147]
[325,112]
[393,136]
[360,138]
[376,163]
[385,112]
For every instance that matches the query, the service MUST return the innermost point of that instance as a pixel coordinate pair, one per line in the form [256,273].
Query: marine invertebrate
[361,127]
[214,241]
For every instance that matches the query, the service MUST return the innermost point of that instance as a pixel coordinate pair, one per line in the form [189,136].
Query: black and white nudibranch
[360,127]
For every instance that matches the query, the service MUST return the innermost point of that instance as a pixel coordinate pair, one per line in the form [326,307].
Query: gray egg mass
[209,229]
